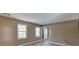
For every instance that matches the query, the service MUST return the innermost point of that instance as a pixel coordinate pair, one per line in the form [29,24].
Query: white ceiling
[44,18]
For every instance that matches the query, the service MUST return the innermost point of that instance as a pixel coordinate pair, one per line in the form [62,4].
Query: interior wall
[8,31]
[64,32]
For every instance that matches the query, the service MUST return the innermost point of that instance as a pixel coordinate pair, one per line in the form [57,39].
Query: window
[37,31]
[21,31]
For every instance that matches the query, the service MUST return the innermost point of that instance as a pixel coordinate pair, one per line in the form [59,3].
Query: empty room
[39,29]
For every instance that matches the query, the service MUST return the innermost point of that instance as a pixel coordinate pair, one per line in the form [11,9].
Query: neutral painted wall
[8,31]
[58,32]
[64,32]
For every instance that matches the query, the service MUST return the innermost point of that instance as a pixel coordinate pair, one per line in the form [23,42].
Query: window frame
[21,32]
[38,33]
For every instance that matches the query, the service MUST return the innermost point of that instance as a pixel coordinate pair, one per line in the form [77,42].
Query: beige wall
[59,32]
[67,32]
[8,31]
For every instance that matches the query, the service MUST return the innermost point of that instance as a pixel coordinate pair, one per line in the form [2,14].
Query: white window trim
[36,32]
[19,38]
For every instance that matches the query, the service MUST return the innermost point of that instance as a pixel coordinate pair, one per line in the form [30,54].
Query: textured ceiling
[44,18]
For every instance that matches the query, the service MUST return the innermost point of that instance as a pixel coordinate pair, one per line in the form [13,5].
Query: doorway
[45,33]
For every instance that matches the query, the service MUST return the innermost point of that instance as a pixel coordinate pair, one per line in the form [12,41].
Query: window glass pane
[21,31]
[37,31]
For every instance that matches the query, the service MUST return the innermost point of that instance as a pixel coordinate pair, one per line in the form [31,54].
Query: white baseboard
[58,43]
[30,43]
